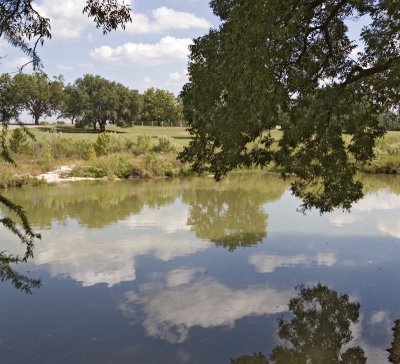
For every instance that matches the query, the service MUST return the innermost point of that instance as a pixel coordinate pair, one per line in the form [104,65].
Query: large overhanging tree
[293,64]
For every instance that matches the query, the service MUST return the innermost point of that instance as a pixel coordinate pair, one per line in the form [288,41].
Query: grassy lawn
[178,134]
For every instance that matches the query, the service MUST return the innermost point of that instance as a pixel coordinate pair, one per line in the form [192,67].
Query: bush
[102,143]
[91,153]
[142,145]
[18,141]
[164,145]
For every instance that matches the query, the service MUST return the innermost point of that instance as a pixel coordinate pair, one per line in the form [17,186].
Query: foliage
[274,63]
[104,101]
[160,106]
[142,144]
[18,141]
[17,280]
[164,145]
[8,102]
[39,96]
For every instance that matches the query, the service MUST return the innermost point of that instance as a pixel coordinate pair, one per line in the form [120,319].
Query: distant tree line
[90,101]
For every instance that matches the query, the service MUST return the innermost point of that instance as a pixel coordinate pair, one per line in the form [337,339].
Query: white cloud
[18,62]
[66,18]
[164,19]
[267,263]
[168,49]
[171,313]
[177,78]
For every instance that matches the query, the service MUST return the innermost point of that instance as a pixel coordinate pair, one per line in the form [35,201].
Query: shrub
[164,145]
[91,153]
[19,141]
[102,143]
[142,145]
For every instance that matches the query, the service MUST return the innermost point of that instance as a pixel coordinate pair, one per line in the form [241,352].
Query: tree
[127,108]
[39,96]
[105,101]
[293,64]
[8,103]
[74,103]
[160,106]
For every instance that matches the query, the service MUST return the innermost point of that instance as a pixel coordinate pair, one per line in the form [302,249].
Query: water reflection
[188,299]
[319,331]
[232,215]
[394,349]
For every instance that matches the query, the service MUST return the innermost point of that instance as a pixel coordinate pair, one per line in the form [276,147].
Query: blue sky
[152,51]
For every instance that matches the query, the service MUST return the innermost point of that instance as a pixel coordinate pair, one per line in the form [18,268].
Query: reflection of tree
[394,350]
[256,358]
[93,206]
[230,214]
[19,281]
[318,331]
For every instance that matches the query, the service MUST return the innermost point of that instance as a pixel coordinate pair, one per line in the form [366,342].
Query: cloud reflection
[267,263]
[170,312]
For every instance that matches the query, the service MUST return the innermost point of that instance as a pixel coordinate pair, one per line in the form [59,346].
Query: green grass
[178,134]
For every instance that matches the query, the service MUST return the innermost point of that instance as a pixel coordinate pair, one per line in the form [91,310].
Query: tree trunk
[94,126]
[37,119]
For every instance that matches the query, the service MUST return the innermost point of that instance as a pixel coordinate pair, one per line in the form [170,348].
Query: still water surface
[197,272]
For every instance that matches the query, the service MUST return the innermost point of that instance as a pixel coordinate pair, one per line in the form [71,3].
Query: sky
[151,52]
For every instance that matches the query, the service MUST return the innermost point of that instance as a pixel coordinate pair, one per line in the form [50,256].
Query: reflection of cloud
[93,259]
[169,218]
[181,276]
[379,317]
[267,263]
[171,313]
[344,218]
[390,227]
[375,354]
[381,200]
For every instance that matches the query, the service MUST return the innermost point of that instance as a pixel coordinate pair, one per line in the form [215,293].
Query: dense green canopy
[293,64]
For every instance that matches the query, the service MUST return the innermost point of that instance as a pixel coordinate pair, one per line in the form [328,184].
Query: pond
[191,271]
